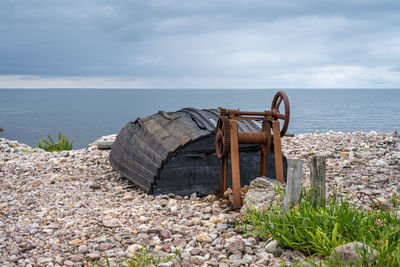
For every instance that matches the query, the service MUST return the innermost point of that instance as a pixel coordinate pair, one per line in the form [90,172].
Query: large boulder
[262,193]
[351,253]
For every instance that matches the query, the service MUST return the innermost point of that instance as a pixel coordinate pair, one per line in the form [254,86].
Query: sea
[84,115]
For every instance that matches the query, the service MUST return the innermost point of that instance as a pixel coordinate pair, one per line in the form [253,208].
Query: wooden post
[293,186]
[278,152]
[237,203]
[317,179]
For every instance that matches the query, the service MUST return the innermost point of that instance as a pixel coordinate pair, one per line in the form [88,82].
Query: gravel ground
[57,209]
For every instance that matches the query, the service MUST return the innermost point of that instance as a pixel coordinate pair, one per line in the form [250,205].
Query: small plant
[141,259]
[25,150]
[395,200]
[50,146]
[317,230]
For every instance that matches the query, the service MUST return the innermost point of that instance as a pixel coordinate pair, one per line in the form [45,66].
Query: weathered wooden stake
[317,179]
[293,186]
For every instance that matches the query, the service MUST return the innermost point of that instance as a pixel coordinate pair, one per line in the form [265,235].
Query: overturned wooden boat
[174,152]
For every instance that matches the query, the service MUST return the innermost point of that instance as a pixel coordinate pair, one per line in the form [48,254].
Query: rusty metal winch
[227,139]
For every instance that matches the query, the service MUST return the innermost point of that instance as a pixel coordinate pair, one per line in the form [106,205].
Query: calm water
[86,114]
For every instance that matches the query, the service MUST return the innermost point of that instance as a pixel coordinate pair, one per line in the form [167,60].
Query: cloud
[334,76]
[37,82]
[330,76]
[200,43]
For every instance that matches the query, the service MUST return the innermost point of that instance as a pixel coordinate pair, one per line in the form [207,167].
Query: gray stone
[247,259]
[200,259]
[185,254]
[262,244]
[154,231]
[222,226]
[179,242]
[77,258]
[263,259]
[166,264]
[165,234]
[172,202]
[261,194]
[195,251]
[44,261]
[213,262]
[102,145]
[13,258]
[249,242]
[105,246]
[235,245]
[110,223]
[274,248]
[193,197]
[95,185]
[351,253]
[68,263]
[235,257]
[203,237]
[93,256]
[213,236]
[82,249]
[264,255]
[248,250]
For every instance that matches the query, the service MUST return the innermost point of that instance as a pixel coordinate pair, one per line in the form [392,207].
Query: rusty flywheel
[276,102]
[222,137]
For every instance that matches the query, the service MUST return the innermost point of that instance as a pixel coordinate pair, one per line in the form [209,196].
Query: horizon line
[199,88]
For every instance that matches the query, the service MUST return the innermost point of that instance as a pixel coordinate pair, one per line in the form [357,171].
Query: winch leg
[264,153]
[263,161]
[278,151]
[235,164]
[223,184]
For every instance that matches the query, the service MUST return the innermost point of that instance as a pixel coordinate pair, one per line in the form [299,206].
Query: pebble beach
[61,208]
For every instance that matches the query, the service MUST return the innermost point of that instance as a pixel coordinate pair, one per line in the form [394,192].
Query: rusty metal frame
[228,139]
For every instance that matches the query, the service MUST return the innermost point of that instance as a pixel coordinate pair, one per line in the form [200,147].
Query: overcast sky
[199,44]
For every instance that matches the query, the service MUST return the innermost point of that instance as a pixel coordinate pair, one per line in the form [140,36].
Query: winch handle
[276,102]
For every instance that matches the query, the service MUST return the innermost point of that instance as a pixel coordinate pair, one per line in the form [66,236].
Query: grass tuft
[51,146]
[144,257]
[24,150]
[317,230]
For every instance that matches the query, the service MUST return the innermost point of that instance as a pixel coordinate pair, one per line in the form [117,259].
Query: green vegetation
[24,150]
[51,146]
[317,230]
[142,258]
